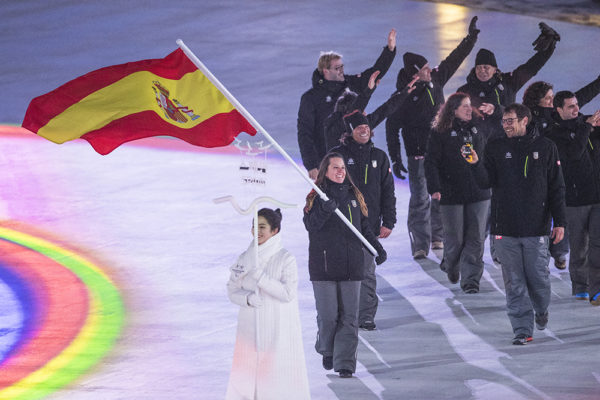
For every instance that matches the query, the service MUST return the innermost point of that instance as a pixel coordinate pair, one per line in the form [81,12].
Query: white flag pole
[260,129]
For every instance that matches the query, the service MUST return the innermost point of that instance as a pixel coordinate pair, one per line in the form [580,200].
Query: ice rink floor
[113,268]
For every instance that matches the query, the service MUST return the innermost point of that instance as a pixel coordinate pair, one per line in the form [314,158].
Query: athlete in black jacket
[463,204]
[538,97]
[487,84]
[523,170]
[579,152]
[336,262]
[414,118]
[370,169]
[328,83]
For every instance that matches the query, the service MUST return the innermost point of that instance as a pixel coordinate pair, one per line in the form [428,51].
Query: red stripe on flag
[219,130]
[43,108]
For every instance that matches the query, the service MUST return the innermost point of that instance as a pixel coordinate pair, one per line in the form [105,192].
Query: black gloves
[380,259]
[329,206]
[398,168]
[547,38]
[473,31]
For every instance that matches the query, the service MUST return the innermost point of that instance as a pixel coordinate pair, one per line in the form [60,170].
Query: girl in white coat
[267,296]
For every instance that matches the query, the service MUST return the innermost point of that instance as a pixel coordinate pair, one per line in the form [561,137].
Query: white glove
[254,300]
[249,282]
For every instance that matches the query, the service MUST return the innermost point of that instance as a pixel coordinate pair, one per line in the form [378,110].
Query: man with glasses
[523,170]
[328,83]
[578,140]
[489,87]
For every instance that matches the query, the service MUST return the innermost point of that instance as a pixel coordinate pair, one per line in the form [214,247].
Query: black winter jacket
[335,126]
[334,251]
[415,115]
[543,115]
[369,168]
[445,168]
[527,184]
[579,153]
[502,88]
[317,103]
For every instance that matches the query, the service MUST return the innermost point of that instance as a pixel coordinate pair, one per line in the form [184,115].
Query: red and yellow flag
[121,103]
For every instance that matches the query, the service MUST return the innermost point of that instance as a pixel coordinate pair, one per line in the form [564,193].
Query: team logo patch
[351,161]
[500,87]
[453,133]
[328,99]
[374,163]
[481,94]
[541,240]
[508,155]
[474,129]
[353,203]
[535,155]
[415,98]
[572,135]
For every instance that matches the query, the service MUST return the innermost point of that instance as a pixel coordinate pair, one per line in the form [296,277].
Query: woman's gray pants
[337,321]
[464,241]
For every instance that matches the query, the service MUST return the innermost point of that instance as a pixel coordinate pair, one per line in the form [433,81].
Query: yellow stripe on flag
[195,96]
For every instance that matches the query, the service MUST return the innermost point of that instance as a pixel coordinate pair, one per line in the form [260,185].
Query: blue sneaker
[595,301]
[582,296]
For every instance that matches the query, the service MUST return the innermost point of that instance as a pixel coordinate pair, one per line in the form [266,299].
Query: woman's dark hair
[535,92]
[445,115]
[273,217]
[321,182]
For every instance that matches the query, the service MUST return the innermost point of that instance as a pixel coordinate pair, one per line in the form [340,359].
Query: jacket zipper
[325,258]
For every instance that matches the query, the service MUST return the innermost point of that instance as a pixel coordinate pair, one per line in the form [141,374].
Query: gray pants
[337,321]
[584,240]
[464,241]
[424,220]
[368,291]
[526,279]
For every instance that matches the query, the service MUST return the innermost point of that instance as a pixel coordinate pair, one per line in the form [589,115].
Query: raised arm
[448,66]
[588,92]
[544,46]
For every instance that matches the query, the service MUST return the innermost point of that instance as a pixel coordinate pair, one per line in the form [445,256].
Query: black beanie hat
[413,62]
[354,119]
[485,57]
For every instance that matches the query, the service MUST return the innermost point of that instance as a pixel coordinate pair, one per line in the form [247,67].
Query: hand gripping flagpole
[259,128]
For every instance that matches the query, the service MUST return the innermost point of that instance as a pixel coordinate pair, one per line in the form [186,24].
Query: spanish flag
[121,103]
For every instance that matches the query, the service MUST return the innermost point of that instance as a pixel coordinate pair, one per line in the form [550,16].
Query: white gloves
[254,300]
[250,281]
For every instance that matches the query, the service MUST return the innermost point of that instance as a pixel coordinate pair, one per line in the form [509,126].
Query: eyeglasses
[509,121]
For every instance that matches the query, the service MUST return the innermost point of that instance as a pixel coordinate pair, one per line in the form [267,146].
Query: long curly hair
[445,115]
[535,92]
[321,182]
